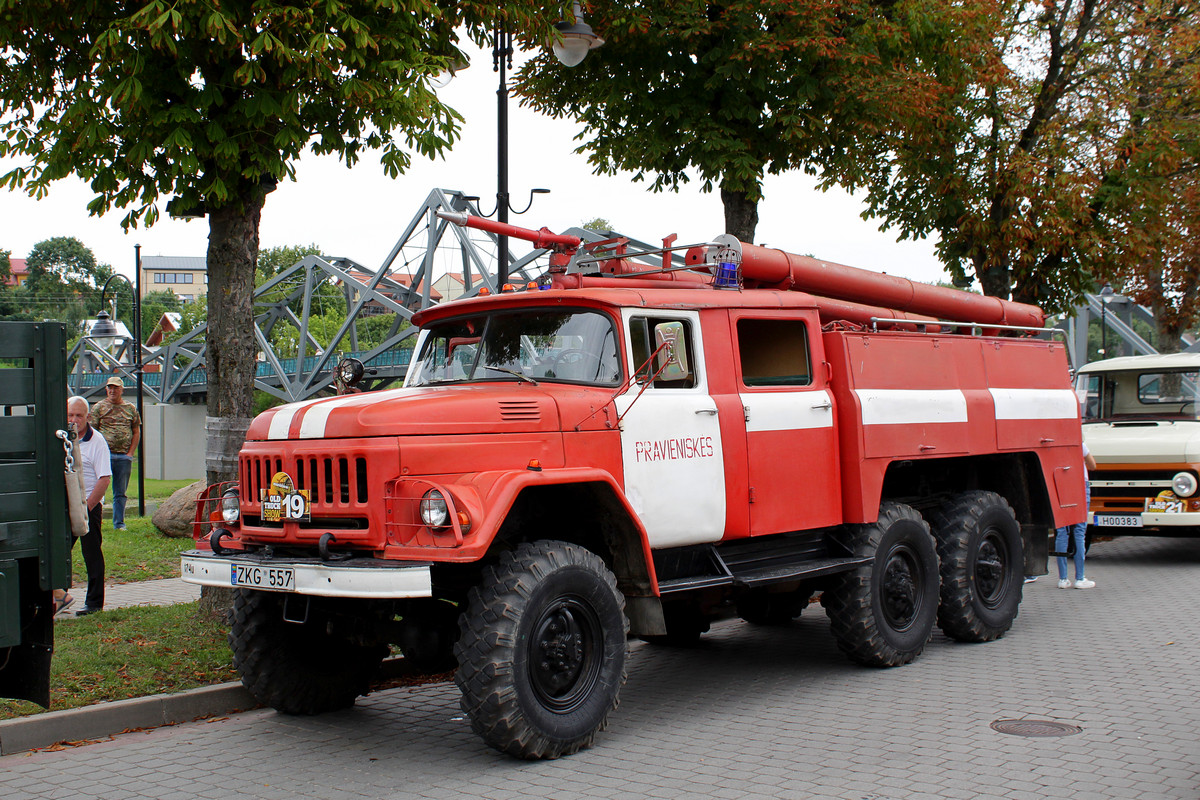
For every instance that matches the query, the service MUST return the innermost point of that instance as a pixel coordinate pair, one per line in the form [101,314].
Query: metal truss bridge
[290,311]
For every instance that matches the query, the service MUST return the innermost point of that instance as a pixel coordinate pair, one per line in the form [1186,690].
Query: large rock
[174,517]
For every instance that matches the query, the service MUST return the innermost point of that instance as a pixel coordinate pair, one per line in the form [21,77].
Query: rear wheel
[320,665]
[982,566]
[542,651]
[882,612]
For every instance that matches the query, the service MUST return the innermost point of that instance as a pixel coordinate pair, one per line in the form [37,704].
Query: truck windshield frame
[1139,394]
[560,345]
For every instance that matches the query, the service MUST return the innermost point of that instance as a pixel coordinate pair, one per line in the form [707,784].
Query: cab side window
[643,336]
[774,352]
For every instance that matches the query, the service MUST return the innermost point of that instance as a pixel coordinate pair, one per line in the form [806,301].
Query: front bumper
[366,577]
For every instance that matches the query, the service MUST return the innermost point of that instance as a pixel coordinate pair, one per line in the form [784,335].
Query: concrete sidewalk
[166,592]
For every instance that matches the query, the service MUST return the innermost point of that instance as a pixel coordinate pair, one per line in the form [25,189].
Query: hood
[1144,442]
[491,408]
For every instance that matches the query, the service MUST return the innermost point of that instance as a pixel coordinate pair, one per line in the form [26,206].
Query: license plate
[280,579]
[1118,521]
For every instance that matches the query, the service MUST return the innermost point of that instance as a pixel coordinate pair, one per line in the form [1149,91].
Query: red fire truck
[623,450]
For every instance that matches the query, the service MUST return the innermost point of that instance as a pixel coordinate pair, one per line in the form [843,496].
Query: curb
[107,719]
[102,720]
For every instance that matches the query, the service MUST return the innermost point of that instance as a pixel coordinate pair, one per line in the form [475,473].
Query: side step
[749,564]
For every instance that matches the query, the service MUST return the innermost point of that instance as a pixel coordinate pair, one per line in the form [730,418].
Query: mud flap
[1036,542]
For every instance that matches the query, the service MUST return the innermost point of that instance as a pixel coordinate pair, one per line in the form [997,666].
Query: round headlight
[434,512]
[1184,484]
[231,510]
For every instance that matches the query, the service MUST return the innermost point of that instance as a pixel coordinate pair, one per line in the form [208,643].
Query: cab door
[791,447]
[670,432]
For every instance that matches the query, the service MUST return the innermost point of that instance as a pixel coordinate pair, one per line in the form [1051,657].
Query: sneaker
[1084,583]
[1065,584]
[1030,578]
[118,527]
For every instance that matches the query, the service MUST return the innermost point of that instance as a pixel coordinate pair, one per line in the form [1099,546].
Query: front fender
[488,497]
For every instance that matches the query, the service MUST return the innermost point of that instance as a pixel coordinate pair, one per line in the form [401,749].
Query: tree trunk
[741,215]
[230,361]
[232,255]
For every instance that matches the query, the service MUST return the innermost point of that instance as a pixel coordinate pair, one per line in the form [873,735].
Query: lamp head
[103,327]
[572,41]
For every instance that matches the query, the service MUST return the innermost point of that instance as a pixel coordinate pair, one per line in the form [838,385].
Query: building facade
[186,276]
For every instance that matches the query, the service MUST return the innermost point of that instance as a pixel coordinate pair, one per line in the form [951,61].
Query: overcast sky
[360,213]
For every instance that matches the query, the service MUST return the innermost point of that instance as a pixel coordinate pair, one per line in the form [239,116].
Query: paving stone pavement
[753,713]
[144,593]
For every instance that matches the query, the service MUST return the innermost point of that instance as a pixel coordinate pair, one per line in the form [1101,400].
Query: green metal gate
[35,553]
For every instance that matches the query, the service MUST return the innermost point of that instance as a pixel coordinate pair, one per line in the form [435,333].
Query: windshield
[529,345]
[1139,395]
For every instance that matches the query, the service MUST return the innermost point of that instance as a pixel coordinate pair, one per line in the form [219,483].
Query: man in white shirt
[97,472]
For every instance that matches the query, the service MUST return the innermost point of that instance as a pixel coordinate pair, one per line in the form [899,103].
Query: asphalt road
[753,713]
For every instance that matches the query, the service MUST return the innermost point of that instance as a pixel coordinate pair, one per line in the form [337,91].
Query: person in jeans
[121,426]
[93,452]
[1079,532]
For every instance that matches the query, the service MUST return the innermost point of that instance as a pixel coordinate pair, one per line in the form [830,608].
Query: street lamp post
[1106,296]
[105,327]
[571,43]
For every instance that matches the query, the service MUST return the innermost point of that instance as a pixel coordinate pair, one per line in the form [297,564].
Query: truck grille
[334,483]
[1126,489]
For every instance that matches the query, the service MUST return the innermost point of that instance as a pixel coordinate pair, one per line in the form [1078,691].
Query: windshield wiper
[516,373]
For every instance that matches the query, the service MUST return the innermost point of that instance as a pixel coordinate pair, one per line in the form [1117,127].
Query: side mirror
[671,363]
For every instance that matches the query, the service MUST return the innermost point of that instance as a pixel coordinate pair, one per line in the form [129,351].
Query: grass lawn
[140,552]
[131,652]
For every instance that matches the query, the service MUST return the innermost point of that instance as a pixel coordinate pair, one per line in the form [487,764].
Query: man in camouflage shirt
[122,429]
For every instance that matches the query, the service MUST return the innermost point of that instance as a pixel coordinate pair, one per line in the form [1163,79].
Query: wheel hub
[900,593]
[562,654]
[990,567]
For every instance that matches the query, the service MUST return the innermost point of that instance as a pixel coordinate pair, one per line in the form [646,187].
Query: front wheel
[319,665]
[882,612]
[542,650]
[979,544]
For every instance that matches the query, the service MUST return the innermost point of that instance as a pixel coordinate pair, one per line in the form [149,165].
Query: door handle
[706,411]
[826,405]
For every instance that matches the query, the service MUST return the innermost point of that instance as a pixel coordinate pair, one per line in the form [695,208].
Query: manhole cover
[1035,727]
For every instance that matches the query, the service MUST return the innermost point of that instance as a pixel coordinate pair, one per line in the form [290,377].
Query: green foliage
[275,260]
[744,88]
[599,224]
[138,553]
[64,284]
[62,261]
[1071,158]
[203,101]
